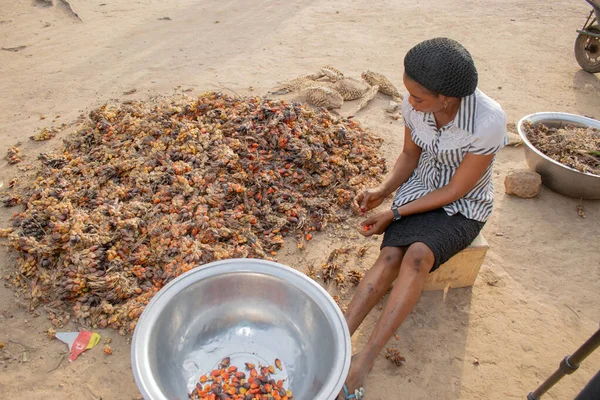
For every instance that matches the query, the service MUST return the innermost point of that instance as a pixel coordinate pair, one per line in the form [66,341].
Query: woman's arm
[468,173]
[405,164]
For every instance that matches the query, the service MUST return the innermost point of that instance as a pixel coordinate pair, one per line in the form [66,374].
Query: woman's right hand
[368,200]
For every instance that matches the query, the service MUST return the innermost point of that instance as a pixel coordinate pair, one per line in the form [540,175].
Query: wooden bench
[462,269]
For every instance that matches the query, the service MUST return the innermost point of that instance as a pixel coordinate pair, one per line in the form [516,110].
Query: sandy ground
[537,296]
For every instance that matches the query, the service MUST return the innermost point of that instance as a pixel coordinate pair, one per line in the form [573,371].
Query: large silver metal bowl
[249,310]
[556,176]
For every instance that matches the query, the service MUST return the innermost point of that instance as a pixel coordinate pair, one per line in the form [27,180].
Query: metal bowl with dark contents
[250,311]
[556,176]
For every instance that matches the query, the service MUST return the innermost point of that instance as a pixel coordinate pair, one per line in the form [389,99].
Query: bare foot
[356,377]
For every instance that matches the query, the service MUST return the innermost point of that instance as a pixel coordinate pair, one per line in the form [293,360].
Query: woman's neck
[447,114]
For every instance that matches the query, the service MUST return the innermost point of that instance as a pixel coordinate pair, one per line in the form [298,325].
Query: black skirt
[445,235]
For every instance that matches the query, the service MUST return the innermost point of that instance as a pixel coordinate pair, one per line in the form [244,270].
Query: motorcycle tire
[587,50]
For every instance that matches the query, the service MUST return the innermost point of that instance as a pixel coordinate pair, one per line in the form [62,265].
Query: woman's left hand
[376,224]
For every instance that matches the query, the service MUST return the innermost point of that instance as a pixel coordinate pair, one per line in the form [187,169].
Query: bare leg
[415,267]
[374,285]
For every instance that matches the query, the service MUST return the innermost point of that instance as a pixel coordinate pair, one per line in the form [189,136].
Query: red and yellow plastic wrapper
[78,342]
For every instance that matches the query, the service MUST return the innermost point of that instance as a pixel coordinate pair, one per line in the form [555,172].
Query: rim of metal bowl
[139,358]
[540,116]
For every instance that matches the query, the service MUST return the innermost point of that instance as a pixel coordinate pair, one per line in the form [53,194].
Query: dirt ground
[536,298]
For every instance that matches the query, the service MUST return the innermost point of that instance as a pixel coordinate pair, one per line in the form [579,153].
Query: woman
[444,196]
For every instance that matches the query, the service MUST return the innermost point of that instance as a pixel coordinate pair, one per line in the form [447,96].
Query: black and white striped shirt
[479,128]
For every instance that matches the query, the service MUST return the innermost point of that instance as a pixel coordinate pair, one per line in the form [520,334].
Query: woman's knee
[419,257]
[391,257]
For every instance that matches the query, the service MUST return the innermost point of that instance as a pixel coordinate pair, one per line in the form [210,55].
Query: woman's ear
[445,100]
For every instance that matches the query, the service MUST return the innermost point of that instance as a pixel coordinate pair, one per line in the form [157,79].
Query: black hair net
[443,66]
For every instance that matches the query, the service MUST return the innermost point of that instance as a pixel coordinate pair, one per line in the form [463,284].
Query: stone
[523,183]
[392,107]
